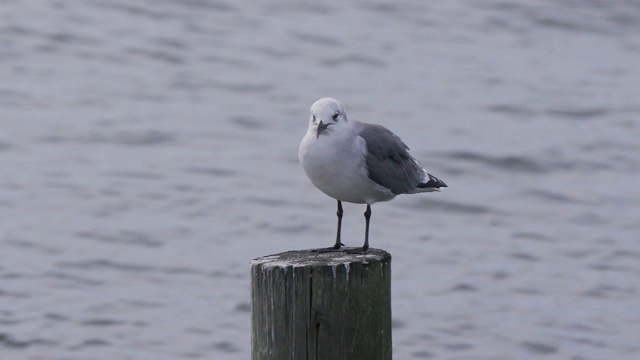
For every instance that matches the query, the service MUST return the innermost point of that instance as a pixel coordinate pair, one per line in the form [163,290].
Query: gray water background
[148,151]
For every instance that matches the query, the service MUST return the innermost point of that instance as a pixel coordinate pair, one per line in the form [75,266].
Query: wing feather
[388,160]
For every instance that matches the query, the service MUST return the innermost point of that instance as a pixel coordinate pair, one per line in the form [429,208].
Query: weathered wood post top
[321,305]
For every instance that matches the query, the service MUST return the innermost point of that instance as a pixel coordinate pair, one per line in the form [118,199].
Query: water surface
[149,152]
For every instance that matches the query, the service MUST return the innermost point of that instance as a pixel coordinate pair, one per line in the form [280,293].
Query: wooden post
[321,306]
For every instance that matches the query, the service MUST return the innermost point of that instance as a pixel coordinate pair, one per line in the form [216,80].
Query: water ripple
[353,59]
[129,138]
[316,39]
[103,264]
[122,237]
[198,84]
[9,341]
[449,206]
[579,114]
[170,57]
[551,195]
[212,171]
[539,348]
[510,163]
[102,322]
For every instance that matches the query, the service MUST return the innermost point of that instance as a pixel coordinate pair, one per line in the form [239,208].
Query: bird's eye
[313,118]
[335,116]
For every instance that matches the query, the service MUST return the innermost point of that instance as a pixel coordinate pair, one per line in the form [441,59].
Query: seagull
[358,163]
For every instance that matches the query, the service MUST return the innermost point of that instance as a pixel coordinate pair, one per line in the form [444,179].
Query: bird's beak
[321,127]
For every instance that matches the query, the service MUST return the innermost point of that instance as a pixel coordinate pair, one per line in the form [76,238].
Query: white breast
[335,164]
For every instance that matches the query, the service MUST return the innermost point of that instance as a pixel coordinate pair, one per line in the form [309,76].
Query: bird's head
[328,116]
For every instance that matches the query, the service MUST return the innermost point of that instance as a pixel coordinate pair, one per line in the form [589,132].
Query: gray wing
[388,161]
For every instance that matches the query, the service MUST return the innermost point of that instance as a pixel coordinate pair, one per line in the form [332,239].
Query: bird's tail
[432,184]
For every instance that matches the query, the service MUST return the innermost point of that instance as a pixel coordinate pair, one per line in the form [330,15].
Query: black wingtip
[433,182]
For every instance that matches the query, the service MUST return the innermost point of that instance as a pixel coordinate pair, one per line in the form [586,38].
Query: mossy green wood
[321,306]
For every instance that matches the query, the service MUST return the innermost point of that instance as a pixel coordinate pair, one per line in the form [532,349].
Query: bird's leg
[367,217]
[365,247]
[338,244]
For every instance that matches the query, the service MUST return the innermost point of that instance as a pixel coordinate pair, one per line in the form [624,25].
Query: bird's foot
[360,250]
[334,248]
